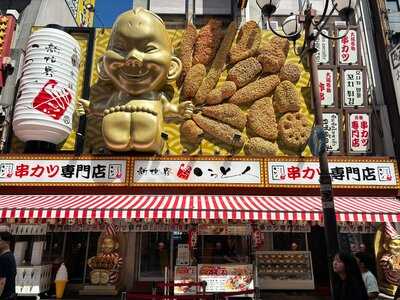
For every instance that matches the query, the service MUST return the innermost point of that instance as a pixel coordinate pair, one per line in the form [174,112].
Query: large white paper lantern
[46,96]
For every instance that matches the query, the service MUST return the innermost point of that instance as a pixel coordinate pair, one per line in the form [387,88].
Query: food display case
[284,270]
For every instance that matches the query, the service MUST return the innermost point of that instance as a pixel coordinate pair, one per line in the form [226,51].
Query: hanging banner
[327,86]
[323,55]
[185,171]
[357,227]
[57,170]
[358,131]
[348,47]
[285,226]
[345,173]
[354,86]
[207,229]
[332,123]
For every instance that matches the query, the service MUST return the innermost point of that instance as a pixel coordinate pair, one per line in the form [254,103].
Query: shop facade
[211,211]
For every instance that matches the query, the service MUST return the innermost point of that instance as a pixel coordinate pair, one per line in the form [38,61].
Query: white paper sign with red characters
[211,172]
[346,173]
[326,87]
[359,127]
[331,124]
[353,85]
[322,56]
[348,47]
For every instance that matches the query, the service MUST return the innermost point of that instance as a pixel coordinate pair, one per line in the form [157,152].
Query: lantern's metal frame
[313,26]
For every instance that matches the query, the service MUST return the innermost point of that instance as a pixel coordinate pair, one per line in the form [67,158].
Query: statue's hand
[82,107]
[186,109]
[90,262]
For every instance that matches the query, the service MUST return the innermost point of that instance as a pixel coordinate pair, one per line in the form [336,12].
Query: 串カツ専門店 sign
[344,173]
[61,170]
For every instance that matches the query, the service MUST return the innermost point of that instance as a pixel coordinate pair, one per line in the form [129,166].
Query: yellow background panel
[174,141]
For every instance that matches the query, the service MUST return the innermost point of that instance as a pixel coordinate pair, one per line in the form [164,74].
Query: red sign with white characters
[52,100]
[359,132]
[348,48]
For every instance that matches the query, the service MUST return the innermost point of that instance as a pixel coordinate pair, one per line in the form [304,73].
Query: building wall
[54,12]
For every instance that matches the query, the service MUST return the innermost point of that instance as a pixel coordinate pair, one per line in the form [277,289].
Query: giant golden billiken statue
[387,250]
[136,66]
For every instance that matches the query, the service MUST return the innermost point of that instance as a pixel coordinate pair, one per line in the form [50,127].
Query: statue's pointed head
[139,57]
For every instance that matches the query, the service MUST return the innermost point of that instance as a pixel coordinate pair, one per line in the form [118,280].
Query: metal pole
[325,177]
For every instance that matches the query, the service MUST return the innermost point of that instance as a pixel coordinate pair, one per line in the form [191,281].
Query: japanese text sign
[358,130]
[348,47]
[73,7]
[184,275]
[210,172]
[226,278]
[395,67]
[332,125]
[344,173]
[63,172]
[353,87]
[327,83]
[322,56]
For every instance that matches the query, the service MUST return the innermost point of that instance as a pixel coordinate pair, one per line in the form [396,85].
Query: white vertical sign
[331,124]
[322,44]
[348,48]
[359,132]
[395,67]
[353,89]
[326,87]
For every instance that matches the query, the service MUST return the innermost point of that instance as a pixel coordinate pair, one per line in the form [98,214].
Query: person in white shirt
[369,279]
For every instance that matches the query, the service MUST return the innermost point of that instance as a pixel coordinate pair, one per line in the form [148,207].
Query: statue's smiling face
[394,247]
[108,245]
[139,55]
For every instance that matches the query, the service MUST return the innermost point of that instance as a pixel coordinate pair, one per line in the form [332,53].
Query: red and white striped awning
[234,207]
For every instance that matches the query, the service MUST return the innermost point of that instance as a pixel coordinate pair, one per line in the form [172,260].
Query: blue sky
[107,11]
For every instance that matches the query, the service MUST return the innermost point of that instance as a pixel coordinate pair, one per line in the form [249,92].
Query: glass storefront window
[216,249]
[289,241]
[75,250]
[154,255]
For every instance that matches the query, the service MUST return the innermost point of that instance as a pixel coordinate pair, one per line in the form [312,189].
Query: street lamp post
[292,28]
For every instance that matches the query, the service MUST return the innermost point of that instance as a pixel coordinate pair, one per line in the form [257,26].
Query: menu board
[183,255]
[185,274]
[227,278]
